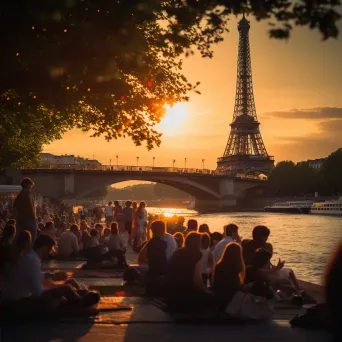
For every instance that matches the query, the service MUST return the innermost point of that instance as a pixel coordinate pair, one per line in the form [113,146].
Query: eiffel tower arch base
[245,165]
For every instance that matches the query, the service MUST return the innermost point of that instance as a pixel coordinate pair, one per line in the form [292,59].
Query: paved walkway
[146,322]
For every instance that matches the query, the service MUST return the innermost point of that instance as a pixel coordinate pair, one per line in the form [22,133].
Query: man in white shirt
[231,235]
[109,211]
[171,245]
[68,242]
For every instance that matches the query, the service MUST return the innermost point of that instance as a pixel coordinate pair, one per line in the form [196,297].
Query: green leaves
[110,66]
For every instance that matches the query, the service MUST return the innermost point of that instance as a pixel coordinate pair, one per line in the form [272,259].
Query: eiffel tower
[245,152]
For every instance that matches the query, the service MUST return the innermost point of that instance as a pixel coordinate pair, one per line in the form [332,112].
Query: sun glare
[174,118]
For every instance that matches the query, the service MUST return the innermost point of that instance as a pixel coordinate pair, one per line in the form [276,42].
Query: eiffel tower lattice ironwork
[245,151]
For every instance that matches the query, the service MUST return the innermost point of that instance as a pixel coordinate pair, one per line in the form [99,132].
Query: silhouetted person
[260,235]
[333,293]
[230,235]
[24,209]
[192,226]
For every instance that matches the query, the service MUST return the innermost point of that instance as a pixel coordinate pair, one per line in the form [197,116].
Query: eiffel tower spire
[245,151]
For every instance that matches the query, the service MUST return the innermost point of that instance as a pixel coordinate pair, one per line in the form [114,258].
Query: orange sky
[297,88]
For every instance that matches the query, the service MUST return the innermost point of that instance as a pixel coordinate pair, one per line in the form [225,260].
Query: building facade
[49,159]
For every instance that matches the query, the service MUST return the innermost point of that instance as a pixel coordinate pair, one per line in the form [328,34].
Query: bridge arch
[85,185]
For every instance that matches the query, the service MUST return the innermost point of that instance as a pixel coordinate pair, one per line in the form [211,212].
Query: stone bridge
[210,190]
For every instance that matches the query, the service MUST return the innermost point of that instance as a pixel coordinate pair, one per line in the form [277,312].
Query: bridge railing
[126,168]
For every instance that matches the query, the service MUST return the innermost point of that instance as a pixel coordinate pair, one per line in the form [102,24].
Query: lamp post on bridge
[173,163]
[185,159]
[117,160]
[203,160]
[154,158]
[137,161]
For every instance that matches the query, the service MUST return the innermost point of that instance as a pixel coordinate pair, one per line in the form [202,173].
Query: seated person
[116,246]
[333,292]
[104,238]
[231,234]
[261,270]
[185,288]
[229,275]
[171,244]
[154,251]
[94,238]
[153,254]
[260,235]
[215,239]
[6,243]
[68,242]
[207,260]
[49,229]
[179,237]
[26,281]
[62,228]
[98,227]
[115,242]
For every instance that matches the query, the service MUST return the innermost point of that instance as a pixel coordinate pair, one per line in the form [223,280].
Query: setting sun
[174,118]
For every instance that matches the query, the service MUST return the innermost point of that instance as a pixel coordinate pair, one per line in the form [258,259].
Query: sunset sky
[298,95]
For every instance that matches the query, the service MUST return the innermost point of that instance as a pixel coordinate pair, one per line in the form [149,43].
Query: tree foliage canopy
[290,179]
[110,66]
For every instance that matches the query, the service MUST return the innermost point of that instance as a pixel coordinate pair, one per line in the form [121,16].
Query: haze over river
[305,242]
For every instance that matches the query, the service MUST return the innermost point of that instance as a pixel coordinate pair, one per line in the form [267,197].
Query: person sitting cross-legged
[25,280]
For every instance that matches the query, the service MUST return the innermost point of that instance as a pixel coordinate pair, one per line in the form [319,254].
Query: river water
[305,242]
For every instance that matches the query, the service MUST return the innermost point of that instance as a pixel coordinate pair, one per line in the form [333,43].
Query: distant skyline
[297,89]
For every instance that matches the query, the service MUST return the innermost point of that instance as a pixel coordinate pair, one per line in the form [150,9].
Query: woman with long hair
[229,274]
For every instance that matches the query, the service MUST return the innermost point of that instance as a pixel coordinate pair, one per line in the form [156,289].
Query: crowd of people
[196,268]
[192,268]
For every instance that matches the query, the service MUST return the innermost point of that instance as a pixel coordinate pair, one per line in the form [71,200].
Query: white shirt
[171,245]
[67,243]
[115,243]
[205,259]
[25,278]
[109,210]
[220,247]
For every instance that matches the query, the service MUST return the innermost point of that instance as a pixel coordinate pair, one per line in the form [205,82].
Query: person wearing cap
[26,279]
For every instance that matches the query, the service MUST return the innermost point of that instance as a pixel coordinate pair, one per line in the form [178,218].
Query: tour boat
[295,207]
[333,207]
